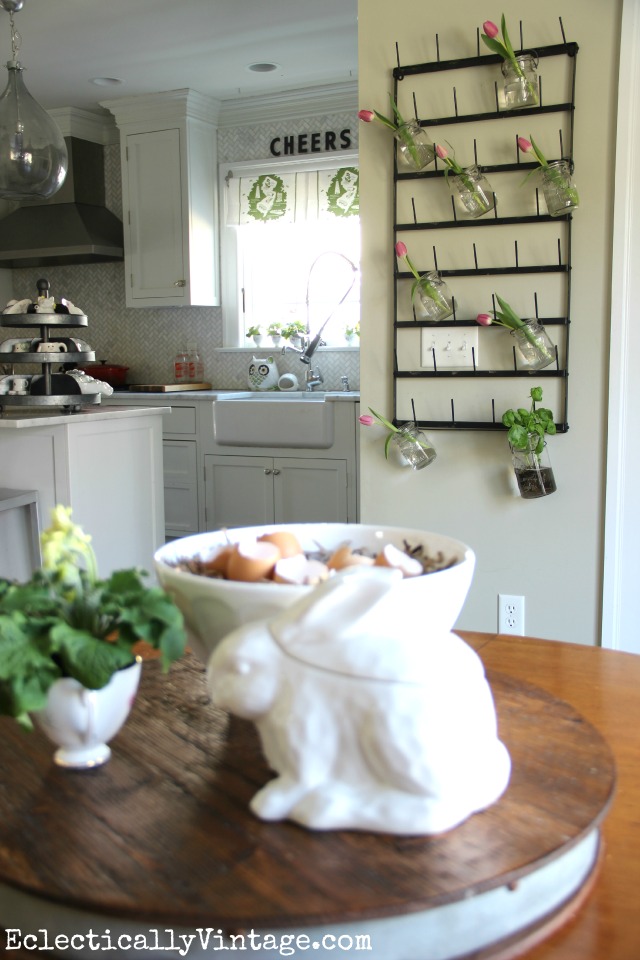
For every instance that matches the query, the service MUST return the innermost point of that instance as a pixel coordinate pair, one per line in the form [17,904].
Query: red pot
[112,373]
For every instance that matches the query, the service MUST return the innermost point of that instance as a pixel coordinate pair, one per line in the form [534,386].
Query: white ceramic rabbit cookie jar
[368,721]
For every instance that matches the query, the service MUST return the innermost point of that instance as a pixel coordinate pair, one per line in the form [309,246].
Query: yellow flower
[63,543]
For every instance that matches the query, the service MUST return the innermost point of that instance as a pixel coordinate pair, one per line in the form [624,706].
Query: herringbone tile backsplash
[147,339]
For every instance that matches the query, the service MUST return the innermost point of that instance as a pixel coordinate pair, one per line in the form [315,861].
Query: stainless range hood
[73,227]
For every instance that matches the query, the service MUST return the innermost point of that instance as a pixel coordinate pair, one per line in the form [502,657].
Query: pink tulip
[484,319]
[401,249]
[490,28]
[442,153]
[366,115]
[524,144]
[366,420]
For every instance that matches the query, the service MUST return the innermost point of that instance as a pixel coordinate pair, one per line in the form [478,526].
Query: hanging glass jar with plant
[415,147]
[468,185]
[519,71]
[559,190]
[533,345]
[531,463]
[414,447]
[429,288]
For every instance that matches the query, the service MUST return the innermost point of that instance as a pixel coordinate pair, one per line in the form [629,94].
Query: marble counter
[22,417]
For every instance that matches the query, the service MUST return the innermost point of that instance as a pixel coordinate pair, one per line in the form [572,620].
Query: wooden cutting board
[167,387]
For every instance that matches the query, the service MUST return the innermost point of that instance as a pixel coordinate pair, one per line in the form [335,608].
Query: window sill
[269,346]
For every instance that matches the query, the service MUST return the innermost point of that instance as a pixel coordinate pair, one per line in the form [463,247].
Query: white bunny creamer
[368,720]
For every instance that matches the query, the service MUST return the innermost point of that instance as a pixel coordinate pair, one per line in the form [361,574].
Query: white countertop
[333,395]
[21,417]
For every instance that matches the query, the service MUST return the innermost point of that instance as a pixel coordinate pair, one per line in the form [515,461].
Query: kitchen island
[104,462]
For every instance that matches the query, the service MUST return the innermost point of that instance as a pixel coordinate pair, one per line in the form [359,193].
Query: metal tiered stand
[73,400]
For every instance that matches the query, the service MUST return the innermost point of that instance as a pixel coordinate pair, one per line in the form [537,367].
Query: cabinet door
[155,258]
[238,491]
[180,487]
[308,491]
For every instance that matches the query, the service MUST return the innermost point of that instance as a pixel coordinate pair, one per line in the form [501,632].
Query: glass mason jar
[414,446]
[415,148]
[534,349]
[559,191]
[434,295]
[520,82]
[534,473]
[472,191]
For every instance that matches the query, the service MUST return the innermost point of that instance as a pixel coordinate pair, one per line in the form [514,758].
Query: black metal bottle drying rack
[58,390]
[563,264]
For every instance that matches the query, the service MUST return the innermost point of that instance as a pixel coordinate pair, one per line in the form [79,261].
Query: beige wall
[549,550]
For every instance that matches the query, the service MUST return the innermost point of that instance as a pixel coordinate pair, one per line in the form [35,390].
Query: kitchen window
[278,220]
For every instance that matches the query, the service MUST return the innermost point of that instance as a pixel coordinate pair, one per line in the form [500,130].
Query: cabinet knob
[180,283]
[267,472]
[276,473]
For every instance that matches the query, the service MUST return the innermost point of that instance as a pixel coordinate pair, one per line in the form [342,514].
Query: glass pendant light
[33,154]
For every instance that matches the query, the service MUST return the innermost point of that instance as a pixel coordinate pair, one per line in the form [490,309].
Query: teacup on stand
[52,347]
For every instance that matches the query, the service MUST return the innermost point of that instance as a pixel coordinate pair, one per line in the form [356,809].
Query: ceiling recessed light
[106,81]
[263,67]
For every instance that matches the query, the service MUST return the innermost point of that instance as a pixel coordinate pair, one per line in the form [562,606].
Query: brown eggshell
[253,561]
[343,557]
[219,562]
[287,543]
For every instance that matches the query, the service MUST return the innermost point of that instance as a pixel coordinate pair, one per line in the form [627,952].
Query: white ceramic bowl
[214,607]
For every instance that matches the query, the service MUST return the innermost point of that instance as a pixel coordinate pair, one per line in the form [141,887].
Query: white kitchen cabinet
[242,491]
[169,197]
[180,487]
[105,464]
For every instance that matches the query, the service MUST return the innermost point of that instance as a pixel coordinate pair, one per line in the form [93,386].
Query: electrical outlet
[511,614]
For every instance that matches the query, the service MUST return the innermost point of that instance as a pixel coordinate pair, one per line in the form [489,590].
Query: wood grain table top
[162,832]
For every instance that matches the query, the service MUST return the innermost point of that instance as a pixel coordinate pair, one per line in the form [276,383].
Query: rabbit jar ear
[334,606]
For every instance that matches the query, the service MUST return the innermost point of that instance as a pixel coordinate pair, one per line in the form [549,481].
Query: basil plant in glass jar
[527,432]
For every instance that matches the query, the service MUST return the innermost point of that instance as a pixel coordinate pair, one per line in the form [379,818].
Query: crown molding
[290,104]
[169,105]
[98,127]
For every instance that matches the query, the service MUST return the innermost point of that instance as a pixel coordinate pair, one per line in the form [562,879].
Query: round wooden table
[162,836]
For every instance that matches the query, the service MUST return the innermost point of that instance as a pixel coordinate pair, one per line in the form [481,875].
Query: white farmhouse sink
[268,396]
[294,419]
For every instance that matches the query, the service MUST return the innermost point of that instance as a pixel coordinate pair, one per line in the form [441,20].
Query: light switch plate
[454,348]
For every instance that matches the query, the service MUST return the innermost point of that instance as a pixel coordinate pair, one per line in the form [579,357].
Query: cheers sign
[293,144]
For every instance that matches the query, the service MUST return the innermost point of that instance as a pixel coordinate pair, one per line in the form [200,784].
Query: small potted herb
[294,330]
[256,333]
[275,332]
[69,642]
[527,431]
[351,332]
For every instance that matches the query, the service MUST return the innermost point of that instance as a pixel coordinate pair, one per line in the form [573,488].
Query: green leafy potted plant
[527,431]
[294,330]
[351,332]
[256,333]
[274,330]
[69,641]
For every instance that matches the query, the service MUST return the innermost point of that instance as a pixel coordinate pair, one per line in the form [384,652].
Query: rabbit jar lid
[370,623]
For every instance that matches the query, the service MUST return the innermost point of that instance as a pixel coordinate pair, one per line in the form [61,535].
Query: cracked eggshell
[390,556]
